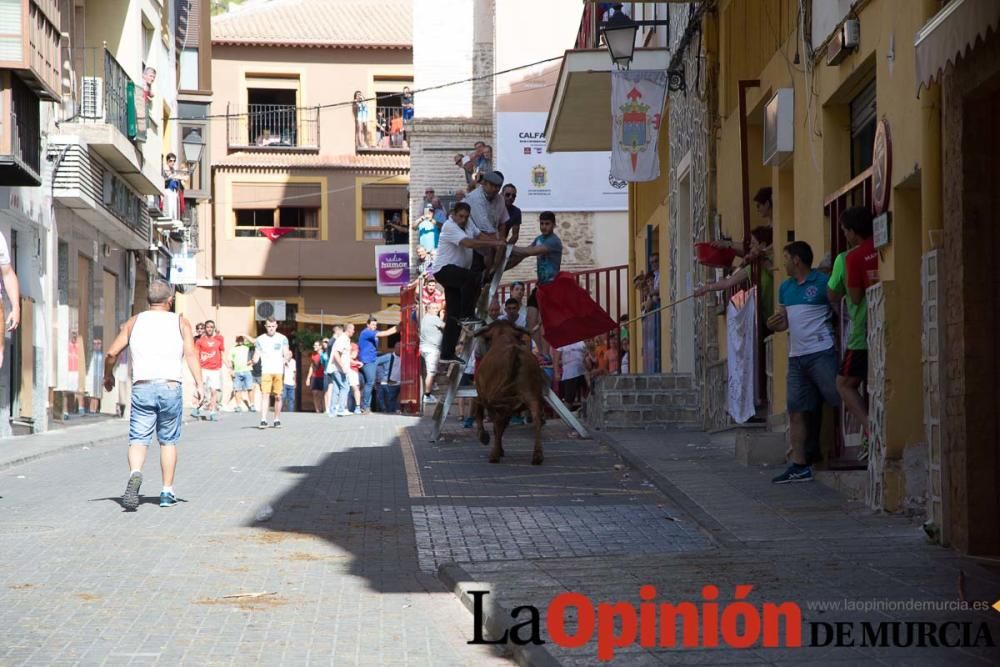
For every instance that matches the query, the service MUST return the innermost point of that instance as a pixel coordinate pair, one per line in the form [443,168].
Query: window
[272,116]
[863,122]
[302,220]
[377,226]
[305,221]
[249,221]
[189,64]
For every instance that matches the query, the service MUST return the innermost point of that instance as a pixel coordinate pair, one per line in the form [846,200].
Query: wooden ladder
[470,345]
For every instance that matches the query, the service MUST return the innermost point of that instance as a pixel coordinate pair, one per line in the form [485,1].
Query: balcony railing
[100,89]
[378,133]
[273,126]
[25,144]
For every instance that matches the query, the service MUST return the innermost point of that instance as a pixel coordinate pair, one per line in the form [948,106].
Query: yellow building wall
[648,207]
[820,165]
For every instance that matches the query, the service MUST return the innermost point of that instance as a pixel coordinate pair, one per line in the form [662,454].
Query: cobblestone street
[366,513]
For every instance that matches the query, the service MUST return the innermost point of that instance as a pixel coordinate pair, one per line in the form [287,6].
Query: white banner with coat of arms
[636,106]
[553,181]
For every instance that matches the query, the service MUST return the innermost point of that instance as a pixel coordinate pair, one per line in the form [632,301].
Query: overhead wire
[377,98]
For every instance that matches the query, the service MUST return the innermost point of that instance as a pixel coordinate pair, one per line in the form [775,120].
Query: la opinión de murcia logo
[708,623]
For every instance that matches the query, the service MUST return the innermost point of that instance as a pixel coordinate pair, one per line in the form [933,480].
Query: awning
[385,197]
[950,33]
[580,115]
[388,316]
[273,195]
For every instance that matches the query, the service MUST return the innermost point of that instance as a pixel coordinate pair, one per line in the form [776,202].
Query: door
[109,311]
[82,340]
[25,336]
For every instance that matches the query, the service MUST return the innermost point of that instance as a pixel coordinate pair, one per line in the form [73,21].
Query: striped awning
[950,33]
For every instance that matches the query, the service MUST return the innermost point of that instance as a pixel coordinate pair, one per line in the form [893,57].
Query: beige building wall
[322,77]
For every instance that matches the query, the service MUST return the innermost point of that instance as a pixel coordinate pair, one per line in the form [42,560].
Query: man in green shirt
[856,223]
[239,362]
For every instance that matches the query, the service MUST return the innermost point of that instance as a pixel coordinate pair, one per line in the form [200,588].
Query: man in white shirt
[270,352]
[431,334]
[338,370]
[452,270]
[13,289]
[513,313]
[489,214]
[573,373]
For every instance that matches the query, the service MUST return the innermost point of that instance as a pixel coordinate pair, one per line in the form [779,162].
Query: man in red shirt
[210,348]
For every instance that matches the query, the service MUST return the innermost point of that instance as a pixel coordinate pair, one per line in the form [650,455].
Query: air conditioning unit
[779,125]
[154,204]
[265,309]
[92,104]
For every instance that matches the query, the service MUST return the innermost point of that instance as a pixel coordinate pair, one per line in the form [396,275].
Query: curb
[497,620]
[62,449]
[715,531]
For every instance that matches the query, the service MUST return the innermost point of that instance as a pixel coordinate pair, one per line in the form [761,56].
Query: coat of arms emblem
[539,176]
[633,128]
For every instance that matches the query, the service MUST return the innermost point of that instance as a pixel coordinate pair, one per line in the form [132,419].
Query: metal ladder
[470,345]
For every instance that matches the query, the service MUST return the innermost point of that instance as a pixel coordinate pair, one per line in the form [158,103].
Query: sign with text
[392,268]
[554,181]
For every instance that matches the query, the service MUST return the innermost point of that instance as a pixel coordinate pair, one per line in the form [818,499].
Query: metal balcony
[272,127]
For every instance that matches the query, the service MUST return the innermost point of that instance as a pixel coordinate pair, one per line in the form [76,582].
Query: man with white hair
[160,341]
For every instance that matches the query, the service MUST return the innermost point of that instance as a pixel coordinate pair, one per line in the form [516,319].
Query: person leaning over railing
[761,254]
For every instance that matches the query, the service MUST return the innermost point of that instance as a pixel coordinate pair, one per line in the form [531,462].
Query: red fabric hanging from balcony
[275,233]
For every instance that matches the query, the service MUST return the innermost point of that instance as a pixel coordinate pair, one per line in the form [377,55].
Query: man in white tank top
[159,341]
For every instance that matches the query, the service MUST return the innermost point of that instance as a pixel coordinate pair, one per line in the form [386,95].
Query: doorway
[109,326]
[84,345]
[683,334]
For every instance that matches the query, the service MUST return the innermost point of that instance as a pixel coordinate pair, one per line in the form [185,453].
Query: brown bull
[508,380]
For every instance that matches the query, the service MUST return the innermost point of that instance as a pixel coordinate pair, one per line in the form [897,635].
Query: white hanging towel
[741,334]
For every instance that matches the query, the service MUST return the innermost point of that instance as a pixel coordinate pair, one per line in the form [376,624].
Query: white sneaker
[429,399]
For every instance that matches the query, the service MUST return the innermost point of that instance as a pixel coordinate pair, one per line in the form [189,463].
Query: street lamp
[619,35]
[193,145]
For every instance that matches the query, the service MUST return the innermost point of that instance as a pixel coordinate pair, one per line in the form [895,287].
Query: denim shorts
[156,408]
[243,381]
[812,377]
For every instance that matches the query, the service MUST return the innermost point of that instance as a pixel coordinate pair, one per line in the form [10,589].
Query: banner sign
[636,105]
[392,268]
[553,181]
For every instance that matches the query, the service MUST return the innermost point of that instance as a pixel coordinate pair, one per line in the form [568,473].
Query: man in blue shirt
[428,230]
[368,356]
[804,311]
[548,250]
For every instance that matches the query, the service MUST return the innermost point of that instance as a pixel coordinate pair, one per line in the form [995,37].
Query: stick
[656,310]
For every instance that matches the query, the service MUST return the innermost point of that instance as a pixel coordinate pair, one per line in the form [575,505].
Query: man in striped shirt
[804,311]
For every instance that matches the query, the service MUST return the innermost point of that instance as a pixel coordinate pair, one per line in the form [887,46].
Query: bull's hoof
[537,458]
[501,452]
[484,438]
[494,458]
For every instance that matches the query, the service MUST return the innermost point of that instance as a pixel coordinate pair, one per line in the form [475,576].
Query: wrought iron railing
[273,126]
[379,128]
[100,89]
[25,126]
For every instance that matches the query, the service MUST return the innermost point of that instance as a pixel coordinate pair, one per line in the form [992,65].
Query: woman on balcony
[360,120]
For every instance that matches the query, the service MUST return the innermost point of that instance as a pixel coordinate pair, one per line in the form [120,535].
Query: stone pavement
[800,542]
[367,512]
[24,448]
[332,578]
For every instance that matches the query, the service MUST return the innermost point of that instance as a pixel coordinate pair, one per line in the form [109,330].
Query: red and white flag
[637,99]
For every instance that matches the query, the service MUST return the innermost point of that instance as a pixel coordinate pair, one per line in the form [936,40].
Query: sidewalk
[796,542]
[25,448]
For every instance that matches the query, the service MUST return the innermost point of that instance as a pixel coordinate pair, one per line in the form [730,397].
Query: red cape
[568,313]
